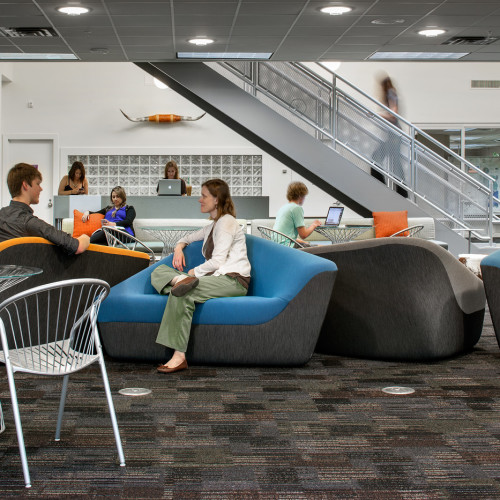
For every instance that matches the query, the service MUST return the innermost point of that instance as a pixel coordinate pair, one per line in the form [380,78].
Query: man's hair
[296,190]
[22,172]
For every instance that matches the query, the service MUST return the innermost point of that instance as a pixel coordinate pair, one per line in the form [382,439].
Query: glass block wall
[139,174]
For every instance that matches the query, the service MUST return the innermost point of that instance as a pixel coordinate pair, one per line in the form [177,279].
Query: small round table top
[13,271]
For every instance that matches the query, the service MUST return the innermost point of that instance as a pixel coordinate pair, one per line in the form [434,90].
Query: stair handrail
[252,80]
[449,151]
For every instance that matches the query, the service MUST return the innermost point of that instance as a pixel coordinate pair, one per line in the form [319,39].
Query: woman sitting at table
[225,272]
[117,214]
[290,217]
[172,172]
[75,182]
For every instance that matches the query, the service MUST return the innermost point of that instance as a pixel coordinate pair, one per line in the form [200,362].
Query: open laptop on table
[334,216]
[169,187]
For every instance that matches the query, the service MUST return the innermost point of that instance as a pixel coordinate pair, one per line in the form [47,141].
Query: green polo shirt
[289,218]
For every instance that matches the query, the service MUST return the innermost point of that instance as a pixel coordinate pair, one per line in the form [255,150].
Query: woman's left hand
[191,272]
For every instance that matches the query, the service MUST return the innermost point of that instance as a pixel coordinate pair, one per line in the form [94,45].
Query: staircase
[326,130]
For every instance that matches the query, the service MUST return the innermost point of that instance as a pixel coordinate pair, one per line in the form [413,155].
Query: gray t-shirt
[17,221]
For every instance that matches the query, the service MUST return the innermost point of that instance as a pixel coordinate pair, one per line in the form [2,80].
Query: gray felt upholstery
[400,299]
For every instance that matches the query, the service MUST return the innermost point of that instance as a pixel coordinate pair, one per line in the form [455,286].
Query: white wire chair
[411,231]
[117,237]
[52,330]
[281,238]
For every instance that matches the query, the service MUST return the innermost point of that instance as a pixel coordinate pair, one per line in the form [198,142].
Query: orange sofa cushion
[79,227]
[387,223]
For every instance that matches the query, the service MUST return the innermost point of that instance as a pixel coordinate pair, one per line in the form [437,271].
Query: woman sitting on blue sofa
[225,272]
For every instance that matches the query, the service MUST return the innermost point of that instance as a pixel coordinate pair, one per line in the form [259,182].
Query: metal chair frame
[412,231]
[52,330]
[278,237]
[118,237]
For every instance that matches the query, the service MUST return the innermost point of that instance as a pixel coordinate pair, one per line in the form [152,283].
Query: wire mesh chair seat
[118,237]
[52,330]
[412,231]
[276,236]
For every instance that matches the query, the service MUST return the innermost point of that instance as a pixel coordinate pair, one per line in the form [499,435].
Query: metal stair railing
[348,125]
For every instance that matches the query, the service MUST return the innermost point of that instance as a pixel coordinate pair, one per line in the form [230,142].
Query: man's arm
[38,227]
[83,243]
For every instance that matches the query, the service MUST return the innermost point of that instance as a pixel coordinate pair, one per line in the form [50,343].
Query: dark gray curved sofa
[490,270]
[400,298]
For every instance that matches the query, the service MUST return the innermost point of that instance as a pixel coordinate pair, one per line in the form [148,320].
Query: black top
[17,221]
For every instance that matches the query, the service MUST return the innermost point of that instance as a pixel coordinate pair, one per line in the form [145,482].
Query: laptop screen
[333,216]
[169,187]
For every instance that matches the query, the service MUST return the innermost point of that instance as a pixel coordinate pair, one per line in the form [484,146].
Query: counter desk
[159,207]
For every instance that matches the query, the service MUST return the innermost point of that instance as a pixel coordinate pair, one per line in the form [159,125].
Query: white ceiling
[293,30]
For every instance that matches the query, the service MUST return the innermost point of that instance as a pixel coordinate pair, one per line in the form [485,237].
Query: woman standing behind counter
[75,182]
[172,172]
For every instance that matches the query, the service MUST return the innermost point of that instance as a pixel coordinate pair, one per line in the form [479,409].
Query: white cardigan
[230,248]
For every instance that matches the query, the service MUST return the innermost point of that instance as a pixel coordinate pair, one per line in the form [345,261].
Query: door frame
[29,137]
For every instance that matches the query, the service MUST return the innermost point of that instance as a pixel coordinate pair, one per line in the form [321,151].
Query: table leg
[2,422]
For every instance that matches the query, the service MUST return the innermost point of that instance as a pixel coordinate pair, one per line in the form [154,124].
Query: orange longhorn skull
[163,118]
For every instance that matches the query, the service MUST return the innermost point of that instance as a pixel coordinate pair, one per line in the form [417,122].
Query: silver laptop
[169,187]
[334,216]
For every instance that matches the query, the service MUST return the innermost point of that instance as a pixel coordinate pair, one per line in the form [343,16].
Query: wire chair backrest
[51,329]
[409,232]
[117,237]
[281,238]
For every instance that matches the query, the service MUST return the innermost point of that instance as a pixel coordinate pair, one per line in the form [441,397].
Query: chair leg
[17,420]
[64,390]
[111,408]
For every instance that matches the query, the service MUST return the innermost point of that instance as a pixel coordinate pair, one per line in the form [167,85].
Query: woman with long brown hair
[117,214]
[172,172]
[75,182]
[225,272]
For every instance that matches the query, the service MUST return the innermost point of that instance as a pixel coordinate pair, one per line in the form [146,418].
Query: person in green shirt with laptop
[290,217]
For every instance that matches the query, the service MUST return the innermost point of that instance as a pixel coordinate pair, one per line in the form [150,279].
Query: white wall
[435,92]
[81,103]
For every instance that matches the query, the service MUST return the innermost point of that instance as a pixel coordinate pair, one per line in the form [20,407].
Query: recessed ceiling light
[431,32]
[25,56]
[403,56]
[201,41]
[224,55]
[73,11]
[336,10]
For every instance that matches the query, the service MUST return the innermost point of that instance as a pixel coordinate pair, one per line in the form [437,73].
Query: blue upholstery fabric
[278,274]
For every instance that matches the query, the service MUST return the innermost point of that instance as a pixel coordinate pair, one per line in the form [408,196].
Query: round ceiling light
[335,11]
[159,84]
[73,11]
[201,41]
[431,32]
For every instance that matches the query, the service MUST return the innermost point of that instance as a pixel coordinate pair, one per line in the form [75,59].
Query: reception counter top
[160,207]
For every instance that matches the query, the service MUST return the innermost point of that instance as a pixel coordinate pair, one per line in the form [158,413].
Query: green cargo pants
[175,325]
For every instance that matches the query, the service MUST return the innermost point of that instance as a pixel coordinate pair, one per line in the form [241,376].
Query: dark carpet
[322,431]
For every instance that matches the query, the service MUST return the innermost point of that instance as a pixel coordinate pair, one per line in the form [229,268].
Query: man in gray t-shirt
[17,220]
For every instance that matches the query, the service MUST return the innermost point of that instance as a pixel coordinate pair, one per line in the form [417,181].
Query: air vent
[470,40]
[485,84]
[20,32]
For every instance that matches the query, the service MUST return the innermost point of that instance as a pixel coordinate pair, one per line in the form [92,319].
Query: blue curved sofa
[277,323]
